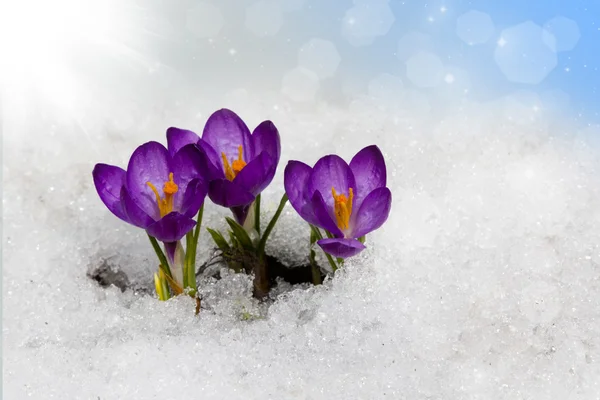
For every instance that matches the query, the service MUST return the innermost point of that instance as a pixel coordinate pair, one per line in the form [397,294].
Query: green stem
[257,214]
[316,272]
[261,276]
[160,255]
[198,225]
[191,251]
[165,288]
[186,262]
[260,250]
[319,236]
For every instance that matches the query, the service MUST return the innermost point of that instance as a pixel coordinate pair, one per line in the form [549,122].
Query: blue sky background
[583,62]
[577,72]
[183,50]
[235,55]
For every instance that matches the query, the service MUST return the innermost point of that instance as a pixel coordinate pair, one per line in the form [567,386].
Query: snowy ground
[484,283]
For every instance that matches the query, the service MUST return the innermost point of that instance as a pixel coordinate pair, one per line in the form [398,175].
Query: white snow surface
[483,284]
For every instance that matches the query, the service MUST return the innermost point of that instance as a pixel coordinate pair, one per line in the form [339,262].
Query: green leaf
[175,288]
[240,234]
[362,239]
[313,237]
[226,253]
[186,262]
[160,255]
[218,239]
[234,242]
[160,284]
[198,225]
[257,214]
[317,233]
[190,254]
[263,240]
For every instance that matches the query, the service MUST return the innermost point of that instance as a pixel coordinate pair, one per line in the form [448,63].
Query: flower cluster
[347,201]
[164,188]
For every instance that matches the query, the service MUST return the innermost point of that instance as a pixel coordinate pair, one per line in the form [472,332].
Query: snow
[483,284]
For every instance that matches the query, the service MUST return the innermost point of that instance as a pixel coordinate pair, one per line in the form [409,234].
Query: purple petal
[225,132]
[148,163]
[170,248]
[323,216]
[214,162]
[171,227]
[257,174]
[331,171]
[187,164]
[341,248]
[109,180]
[368,168]
[266,138]
[373,212]
[295,181]
[135,214]
[178,138]
[228,194]
[194,197]
[240,213]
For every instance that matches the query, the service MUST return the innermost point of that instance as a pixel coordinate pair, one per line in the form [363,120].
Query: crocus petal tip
[340,247]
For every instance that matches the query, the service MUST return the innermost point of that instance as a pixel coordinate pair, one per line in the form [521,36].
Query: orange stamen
[342,208]
[231,170]
[165,205]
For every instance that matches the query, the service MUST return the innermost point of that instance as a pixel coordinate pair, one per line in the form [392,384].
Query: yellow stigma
[231,170]
[165,205]
[342,208]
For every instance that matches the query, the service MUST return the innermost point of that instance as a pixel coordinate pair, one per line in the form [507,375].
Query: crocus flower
[241,164]
[160,191]
[349,201]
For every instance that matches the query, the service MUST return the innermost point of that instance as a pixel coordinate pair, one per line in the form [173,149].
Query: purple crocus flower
[241,164]
[349,201]
[160,192]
